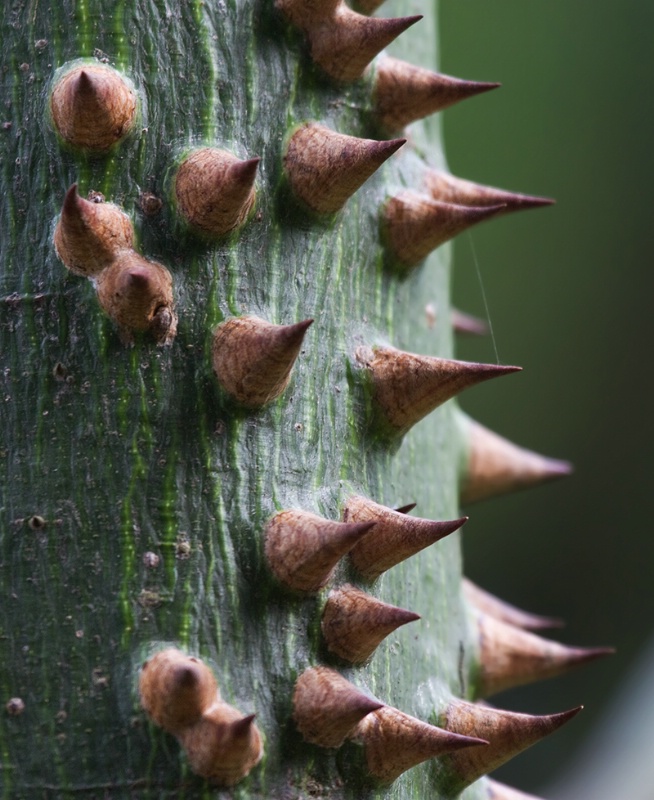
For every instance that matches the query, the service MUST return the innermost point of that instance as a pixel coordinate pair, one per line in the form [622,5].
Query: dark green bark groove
[125,451]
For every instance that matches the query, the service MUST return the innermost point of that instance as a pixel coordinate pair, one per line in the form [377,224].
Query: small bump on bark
[327,708]
[15,706]
[325,168]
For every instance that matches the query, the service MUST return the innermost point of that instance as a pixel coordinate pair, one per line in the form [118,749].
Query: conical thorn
[253,359]
[302,549]
[405,93]
[467,323]
[496,466]
[355,623]
[483,601]
[326,707]
[325,168]
[407,387]
[395,742]
[394,538]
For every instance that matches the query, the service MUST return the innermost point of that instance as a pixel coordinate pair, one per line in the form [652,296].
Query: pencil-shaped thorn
[92,107]
[395,742]
[394,538]
[415,224]
[406,386]
[223,745]
[499,791]
[325,168]
[448,188]
[345,45]
[138,296]
[302,549]
[405,93]
[176,689]
[507,732]
[355,623]
[253,359]
[89,235]
[467,323]
[510,656]
[215,190]
[487,603]
[496,465]
[326,707]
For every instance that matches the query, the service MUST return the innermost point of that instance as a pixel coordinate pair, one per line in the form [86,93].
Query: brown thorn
[406,509]
[223,745]
[253,358]
[325,168]
[302,549]
[92,107]
[354,623]
[326,707]
[448,188]
[88,235]
[483,601]
[176,689]
[215,190]
[467,323]
[394,538]
[510,656]
[133,291]
[407,386]
[507,732]
[394,742]
[415,224]
[496,465]
[405,93]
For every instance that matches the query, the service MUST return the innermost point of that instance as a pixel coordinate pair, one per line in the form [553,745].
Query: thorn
[448,188]
[405,93]
[341,41]
[510,656]
[496,465]
[395,537]
[133,291]
[498,791]
[93,107]
[483,601]
[415,224]
[176,689]
[88,236]
[368,6]
[302,548]
[215,190]
[325,168]
[223,745]
[326,707]
[253,358]
[394,742]
[354,623]
[406,509]
[407,386]
[508,734]
[466,323]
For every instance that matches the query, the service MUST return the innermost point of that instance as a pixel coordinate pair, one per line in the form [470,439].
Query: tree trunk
[136,492]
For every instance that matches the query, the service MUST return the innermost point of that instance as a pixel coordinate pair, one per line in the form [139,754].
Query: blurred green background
[569,290]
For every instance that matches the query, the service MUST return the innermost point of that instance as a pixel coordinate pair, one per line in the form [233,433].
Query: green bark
[123,451]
